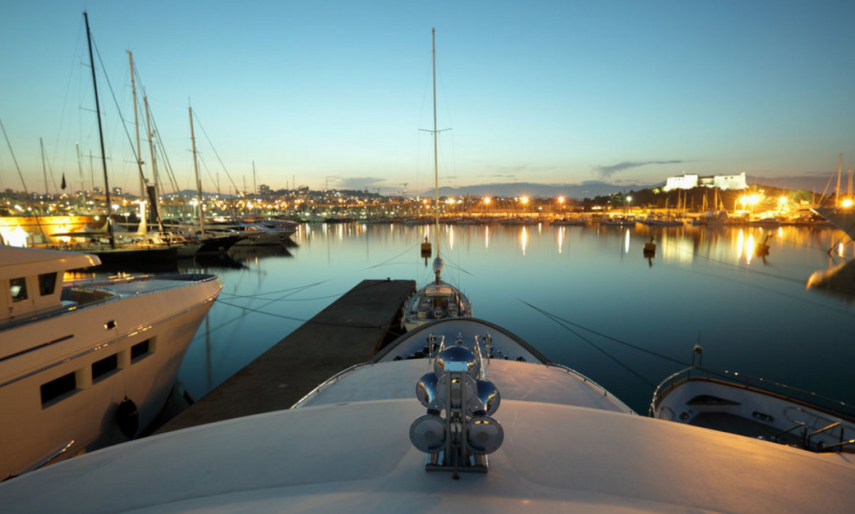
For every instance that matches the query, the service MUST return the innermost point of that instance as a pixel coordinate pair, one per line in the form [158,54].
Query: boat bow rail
[802,418]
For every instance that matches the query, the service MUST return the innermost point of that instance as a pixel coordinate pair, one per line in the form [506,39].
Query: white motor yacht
[841,217]
[457,416]
[752,407]
[86,363]
[254,234]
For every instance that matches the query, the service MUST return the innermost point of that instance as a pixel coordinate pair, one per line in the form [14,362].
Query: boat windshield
[439,290]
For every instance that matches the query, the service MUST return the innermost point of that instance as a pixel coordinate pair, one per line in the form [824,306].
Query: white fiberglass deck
[358,458]
[515,381]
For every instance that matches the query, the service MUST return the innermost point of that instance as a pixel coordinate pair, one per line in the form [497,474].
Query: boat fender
[127,417]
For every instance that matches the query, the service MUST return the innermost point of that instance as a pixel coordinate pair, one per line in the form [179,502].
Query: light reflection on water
[752,315]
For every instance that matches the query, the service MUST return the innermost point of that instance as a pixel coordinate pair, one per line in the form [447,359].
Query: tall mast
[80,171]
[198,182]
[151,147]
[100,136]
[44,168]
[137,125]
[435,152]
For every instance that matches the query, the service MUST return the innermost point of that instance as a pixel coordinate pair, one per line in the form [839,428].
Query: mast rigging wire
[23,183]
[121,118]
[561,322]
[605,336]
[196,116]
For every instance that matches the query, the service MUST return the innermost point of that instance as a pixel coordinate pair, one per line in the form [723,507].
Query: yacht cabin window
[58,387]
[47,284]
[18,289]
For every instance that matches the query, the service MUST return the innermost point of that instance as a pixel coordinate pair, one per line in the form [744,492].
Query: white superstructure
[86,363]
[723,182]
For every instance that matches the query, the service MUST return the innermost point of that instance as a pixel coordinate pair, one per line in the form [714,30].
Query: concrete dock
[347,332]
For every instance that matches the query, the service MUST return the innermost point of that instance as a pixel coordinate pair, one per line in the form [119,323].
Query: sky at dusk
[334,94]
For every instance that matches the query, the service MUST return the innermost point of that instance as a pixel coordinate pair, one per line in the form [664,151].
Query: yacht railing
[805,398]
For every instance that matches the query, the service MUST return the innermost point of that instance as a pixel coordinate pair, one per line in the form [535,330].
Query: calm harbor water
[585,296]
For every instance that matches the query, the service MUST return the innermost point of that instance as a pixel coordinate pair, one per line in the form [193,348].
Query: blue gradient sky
[336,92]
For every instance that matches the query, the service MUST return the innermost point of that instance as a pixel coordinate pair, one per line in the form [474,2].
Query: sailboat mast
[198,182]
[44,168]
[100,136]
[151,147]
[435,152]
[137,125]
[80,172]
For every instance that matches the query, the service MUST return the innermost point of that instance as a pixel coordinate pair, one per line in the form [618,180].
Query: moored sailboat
[131,253]
[439,299]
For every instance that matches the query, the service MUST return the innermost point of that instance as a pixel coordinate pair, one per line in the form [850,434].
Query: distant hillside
[815,184]
[588,189]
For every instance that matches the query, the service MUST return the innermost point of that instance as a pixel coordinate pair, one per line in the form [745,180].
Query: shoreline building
[717,181]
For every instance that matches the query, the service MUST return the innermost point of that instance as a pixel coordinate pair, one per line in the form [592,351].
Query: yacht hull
[842,218]
[63,377]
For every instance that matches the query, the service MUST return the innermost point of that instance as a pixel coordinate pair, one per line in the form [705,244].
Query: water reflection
[749,248]
[523,239]
[216,261]
[700,284]
[740,244]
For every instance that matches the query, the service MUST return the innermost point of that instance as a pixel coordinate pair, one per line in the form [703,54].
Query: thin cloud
[519,169]
[356,183]
[608,171]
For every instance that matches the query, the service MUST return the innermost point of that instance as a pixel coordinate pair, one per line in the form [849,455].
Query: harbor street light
[747,200]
